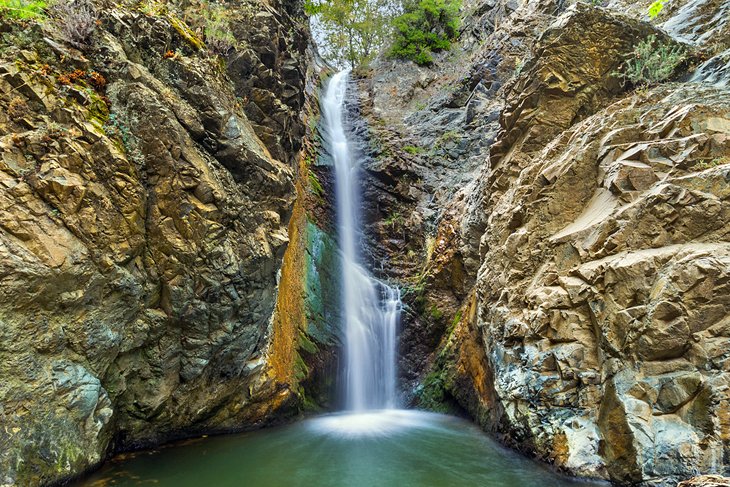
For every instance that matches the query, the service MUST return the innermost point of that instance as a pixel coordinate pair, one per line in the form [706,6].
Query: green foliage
[353,31]
[709,164]
[218,35]
[315,185]
[429,26]
[22,9]
[652,62]
[519,65]
[306,344]
[456,320]
[436,313]
[434,392]
[656,8]
[412,149]
[448,138]
[393,219]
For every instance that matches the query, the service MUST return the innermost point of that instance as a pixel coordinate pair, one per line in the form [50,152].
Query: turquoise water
[389,448]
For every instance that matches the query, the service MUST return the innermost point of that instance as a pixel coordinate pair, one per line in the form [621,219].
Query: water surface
[382,448]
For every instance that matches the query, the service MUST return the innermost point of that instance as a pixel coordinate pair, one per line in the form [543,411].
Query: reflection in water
[387,448]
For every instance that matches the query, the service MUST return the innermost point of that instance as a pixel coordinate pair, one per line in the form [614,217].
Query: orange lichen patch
[471,361]
[168,54]
[290,316]
[97,80]
[724,420]
[72,77]
[560,452]
[445,269]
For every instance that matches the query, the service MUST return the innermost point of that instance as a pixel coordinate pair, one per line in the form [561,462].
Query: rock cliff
[561,236]
[569,233]
[148,179]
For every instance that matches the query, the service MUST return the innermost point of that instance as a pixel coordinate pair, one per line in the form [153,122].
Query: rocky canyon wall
[147,188]
[564,241]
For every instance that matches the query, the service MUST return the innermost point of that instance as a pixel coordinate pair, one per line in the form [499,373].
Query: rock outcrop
[147,186]
[627,308]
[575,261]
[706,481]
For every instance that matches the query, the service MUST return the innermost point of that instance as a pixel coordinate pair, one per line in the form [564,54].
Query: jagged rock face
[594,230]
[706,481]
[568,77]
[143,220]
[604,303]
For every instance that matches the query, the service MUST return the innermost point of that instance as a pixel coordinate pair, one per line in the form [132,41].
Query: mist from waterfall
[371,308]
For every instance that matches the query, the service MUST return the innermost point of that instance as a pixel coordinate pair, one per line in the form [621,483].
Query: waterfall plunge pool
[391,448]
[377,448]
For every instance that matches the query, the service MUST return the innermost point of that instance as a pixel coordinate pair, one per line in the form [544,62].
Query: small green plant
[519,65]
[392,219]
[447,137]
[456,320]
[436,313]
[709,164]
[656,8]
[652,62]
[428,27]
[151,7]
[218,35]
[22,9]
[315,185]
[413,150]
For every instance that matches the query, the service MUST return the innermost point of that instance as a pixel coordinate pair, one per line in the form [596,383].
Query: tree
[426,27]
[351,32]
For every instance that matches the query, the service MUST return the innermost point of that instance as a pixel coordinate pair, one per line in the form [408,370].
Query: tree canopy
[351,31]
[426,27]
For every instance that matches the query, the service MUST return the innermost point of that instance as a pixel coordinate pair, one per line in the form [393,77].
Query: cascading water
[370,443]
[371,308]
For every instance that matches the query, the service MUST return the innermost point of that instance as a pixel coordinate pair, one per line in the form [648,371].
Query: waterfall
[371,308]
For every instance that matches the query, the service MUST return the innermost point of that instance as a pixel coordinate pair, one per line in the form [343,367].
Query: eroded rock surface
[608,260]
[576,263]
[147,186]
[706,481]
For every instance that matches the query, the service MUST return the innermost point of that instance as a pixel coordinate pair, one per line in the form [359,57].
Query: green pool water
[387,448]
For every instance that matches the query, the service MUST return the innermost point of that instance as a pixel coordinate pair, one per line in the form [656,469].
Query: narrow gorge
[493,251]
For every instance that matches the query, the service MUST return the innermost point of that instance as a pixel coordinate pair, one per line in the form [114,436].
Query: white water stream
[371,308]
